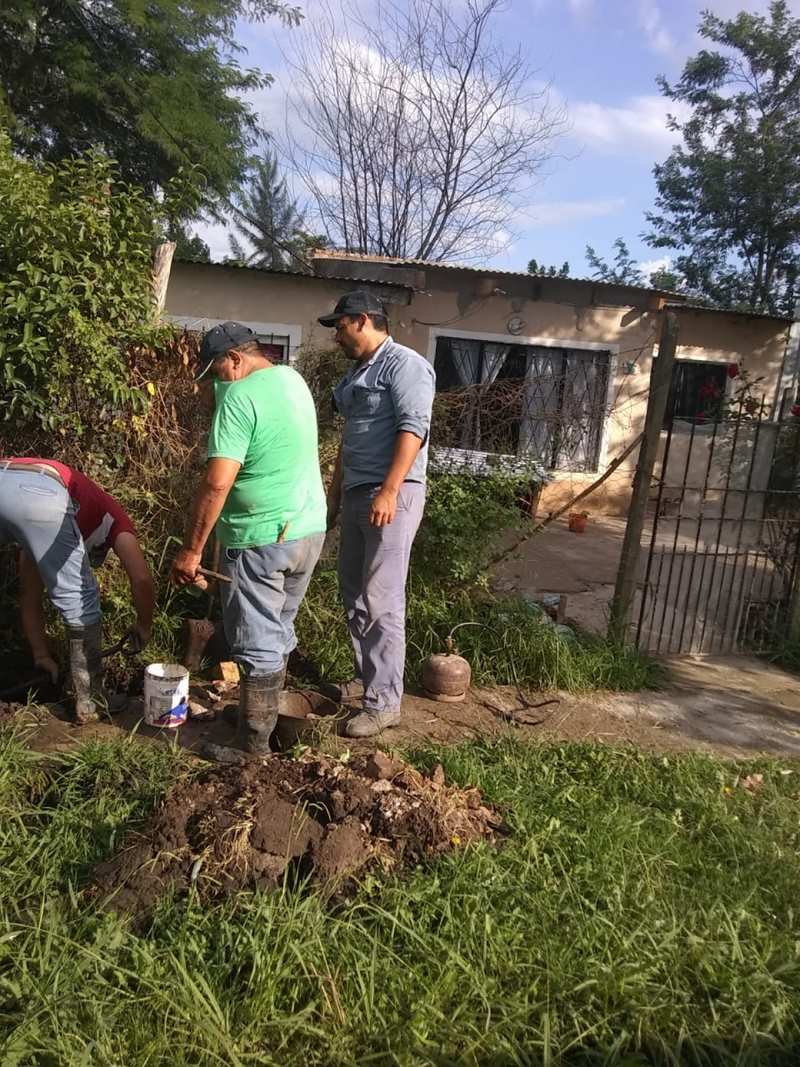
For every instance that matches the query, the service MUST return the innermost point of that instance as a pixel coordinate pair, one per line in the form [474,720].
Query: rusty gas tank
[446,676]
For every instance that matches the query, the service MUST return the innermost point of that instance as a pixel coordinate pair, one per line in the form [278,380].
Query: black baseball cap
[219,340]
[359,302]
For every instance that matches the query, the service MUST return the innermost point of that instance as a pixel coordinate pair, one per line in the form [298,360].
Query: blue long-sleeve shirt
[391,391]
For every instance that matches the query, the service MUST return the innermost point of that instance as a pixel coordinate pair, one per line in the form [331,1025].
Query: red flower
[796,410]
[751,405]
[733,370]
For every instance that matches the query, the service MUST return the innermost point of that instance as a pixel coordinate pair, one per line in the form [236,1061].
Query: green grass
[645,911]
[509,645]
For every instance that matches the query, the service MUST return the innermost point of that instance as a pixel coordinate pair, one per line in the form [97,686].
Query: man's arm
[412,387]
[31,589]
[208,503]
[384,504]
[143,591]
[335,490]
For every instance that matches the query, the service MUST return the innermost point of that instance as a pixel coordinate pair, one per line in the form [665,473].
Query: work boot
[367,723]
[86,668]
[259,703]
[343,692]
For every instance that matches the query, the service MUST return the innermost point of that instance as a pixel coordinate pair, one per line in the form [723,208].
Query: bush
[75,291]
[465,515]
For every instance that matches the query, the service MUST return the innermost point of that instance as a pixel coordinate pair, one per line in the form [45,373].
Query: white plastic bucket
[166,695]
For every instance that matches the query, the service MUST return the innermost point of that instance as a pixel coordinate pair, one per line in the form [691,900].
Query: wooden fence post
[162,264]
[628,573]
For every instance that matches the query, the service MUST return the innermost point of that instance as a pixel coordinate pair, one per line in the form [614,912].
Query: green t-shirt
[268,423]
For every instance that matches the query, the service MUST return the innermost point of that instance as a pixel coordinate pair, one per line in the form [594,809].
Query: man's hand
[47,665]
[184,567]
[383,508]
[138,636]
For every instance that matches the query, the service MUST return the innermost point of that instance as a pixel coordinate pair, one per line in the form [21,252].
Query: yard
[643,910]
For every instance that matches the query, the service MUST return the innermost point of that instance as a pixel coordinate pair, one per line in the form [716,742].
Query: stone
[200,712]
[379,765]
[227,672]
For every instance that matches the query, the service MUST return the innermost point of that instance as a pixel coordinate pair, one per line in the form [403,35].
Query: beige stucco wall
[201,291]
[464,303]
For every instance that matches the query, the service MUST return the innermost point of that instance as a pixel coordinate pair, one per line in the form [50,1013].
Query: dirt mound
[247,827]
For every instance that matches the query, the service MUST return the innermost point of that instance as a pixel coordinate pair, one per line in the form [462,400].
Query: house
[555,370]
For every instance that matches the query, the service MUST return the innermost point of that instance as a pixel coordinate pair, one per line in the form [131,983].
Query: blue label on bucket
[175,716]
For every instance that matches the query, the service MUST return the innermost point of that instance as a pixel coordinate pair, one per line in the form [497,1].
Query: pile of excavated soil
[249,827]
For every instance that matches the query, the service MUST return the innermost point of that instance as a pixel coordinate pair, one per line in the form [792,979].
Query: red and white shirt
[99,517]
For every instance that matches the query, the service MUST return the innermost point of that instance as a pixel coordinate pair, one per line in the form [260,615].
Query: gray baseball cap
[219,340]
[359,302]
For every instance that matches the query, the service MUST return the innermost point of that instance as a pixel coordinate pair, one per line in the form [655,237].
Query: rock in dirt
[200,712]
[379,765]
[249,827]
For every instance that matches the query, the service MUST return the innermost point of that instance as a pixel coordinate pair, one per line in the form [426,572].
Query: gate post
[627,574]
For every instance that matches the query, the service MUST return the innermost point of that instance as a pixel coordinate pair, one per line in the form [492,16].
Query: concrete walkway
[582,566]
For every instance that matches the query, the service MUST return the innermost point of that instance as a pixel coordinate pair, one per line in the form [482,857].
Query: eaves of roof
[295,273]
[426,264]
[686,306]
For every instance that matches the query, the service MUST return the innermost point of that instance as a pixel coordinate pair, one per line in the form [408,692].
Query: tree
[153,85]
[535,267]
[75,290]
[189,246]
[269,221]
[413,131]
[729,196]
[624,270]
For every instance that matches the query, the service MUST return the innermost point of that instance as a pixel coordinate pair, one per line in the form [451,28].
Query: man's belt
[37,468]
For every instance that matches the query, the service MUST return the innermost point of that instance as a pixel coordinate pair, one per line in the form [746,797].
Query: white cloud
[651,22]
[650,266]
[564,212]
[639,125]
[215,235]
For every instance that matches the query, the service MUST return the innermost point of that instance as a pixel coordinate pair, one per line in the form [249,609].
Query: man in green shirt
[263,490]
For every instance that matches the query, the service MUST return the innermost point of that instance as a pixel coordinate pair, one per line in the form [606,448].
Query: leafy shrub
[75,290]
[465,514]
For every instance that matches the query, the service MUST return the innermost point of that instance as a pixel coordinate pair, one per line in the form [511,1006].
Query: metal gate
[722,536]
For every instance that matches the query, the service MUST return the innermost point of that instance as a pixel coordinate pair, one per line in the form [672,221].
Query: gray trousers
[268,584]
[373,567]
[38,514]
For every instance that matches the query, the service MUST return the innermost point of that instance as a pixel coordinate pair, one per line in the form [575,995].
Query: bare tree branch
[415,135]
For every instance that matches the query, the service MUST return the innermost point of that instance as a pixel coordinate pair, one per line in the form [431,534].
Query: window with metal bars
[549,403]
[696,392]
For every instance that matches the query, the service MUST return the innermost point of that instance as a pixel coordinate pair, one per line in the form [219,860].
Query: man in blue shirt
[379,484]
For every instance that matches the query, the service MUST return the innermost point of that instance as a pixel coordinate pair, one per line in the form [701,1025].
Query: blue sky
[601,58]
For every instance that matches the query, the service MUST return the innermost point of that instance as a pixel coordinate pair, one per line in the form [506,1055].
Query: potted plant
[578,520]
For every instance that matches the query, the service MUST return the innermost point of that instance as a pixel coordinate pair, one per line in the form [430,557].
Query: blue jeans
[37,513]
[373,567]
[268,584]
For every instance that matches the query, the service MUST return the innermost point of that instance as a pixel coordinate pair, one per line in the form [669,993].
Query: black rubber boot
[259,702]
[86,666]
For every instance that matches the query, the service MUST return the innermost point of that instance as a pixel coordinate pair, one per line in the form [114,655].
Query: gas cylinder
[446,675]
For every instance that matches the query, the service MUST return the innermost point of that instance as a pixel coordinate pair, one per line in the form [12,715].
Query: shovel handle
[213,574]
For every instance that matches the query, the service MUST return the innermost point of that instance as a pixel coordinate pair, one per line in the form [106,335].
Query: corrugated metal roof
[428,264]
[687,306]
[295,273]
